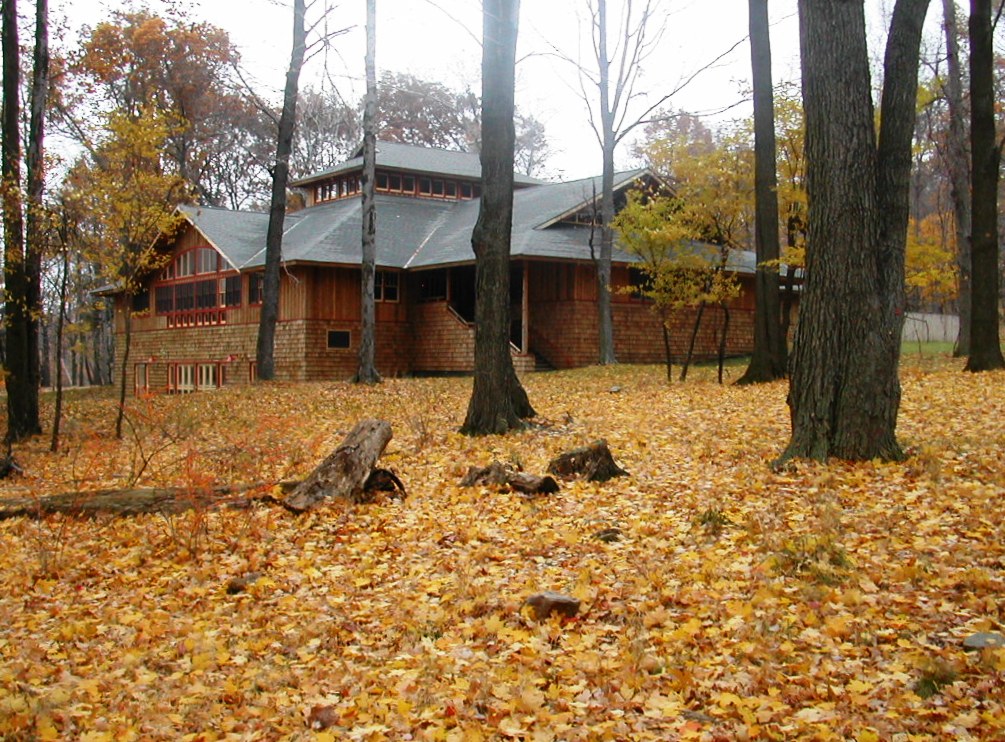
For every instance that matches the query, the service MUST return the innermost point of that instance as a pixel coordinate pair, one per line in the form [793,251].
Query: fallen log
[500,475]
[139,500]
[348,472]
[593,463]
[345,472]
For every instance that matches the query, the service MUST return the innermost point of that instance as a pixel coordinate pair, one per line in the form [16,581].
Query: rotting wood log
[345,472]
[593,463]
[139,500]
[501,475]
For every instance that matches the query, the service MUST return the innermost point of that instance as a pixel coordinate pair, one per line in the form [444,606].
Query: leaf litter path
[822,602]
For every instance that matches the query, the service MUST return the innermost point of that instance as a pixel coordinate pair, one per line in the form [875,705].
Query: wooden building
[198,319]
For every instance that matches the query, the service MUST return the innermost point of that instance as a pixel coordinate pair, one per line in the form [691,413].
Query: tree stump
[346,471]
[544,604]
[593,463]
[502,475]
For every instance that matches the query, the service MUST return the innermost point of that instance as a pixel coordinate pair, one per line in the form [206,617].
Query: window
[339,339]
[206,260]
[231,287]
[408,184]
[385,286]
[141,302]
[381,183]
[451,189]
[207,376]
[205,294]
[164,299]
[438,188]
[465,190]
[181,377]
[640,282]
[432,285]
[192,291]
[425,187]
[255,284]
[184,297]
[184,265]
[394,183]
[142,378]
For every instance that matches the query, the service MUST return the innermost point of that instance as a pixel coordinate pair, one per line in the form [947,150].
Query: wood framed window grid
[196,289]
[256,284]
[404,184]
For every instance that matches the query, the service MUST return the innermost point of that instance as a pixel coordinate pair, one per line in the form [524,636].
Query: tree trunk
[595,463]
[722,340]
[136,500]
[57,414]
[265,352]
[958,163]
[985,344]
[845,392]
[605,322]
[668,354]
[366,373]
[769,358]
[124,371]
[498,401]
[21,298]
[794,228]
[690,345]
[35,217]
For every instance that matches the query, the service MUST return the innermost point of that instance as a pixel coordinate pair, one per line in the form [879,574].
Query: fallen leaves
[719,599]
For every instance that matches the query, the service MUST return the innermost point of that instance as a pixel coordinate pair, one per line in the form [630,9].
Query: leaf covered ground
[820,602]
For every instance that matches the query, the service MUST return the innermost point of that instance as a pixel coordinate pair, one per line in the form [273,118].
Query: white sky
[437,40]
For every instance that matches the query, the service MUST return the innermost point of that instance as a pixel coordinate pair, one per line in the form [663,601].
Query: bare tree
[265,351]
[769,358]
[367,370]
[985,152]
[498,400]
[609,88]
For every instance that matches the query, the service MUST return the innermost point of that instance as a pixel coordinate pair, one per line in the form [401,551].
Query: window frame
[382,285]
[330,334]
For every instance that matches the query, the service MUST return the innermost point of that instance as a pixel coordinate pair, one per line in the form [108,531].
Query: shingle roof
[417,233]
[533,209]
[396,156]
